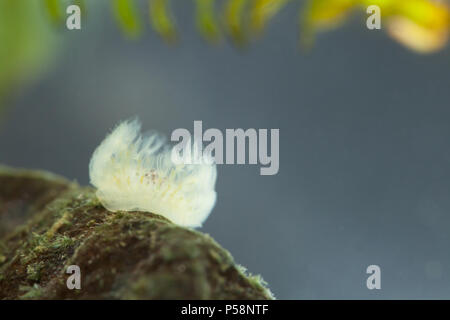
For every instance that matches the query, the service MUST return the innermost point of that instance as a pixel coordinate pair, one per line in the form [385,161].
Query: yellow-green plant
[25,41]
[27,27]
[421,25]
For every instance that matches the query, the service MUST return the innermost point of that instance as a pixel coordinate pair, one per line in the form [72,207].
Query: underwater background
[364,144]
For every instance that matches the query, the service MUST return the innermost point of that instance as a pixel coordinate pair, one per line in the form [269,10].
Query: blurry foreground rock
[48,223]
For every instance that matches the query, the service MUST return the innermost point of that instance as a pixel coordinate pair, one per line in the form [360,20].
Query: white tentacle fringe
[135,173]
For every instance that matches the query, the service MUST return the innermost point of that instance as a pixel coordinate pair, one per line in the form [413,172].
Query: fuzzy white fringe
[135,173]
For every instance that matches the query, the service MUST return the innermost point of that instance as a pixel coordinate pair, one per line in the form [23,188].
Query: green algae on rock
[48,223]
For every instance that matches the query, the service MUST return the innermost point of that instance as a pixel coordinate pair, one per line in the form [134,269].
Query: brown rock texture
[48,223]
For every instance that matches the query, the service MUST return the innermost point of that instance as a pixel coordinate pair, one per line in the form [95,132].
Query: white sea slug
[135,173]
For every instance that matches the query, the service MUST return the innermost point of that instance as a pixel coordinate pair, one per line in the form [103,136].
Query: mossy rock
[48,223]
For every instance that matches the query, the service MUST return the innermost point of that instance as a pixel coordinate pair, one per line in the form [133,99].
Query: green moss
[34,271]
[125,255]
[63,242]
[34,292]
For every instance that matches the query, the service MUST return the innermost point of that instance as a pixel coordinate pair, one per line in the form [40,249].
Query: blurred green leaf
[55,11]
[126,14]
[162,20]
[235,13]
[207,21]
[26,43]
[262,11]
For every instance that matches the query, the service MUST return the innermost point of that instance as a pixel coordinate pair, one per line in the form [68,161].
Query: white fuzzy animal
[135,173]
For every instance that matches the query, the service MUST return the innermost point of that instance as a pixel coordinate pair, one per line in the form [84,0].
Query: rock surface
[48,223]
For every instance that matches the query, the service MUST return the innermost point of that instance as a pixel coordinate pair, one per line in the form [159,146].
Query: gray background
[364,144]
